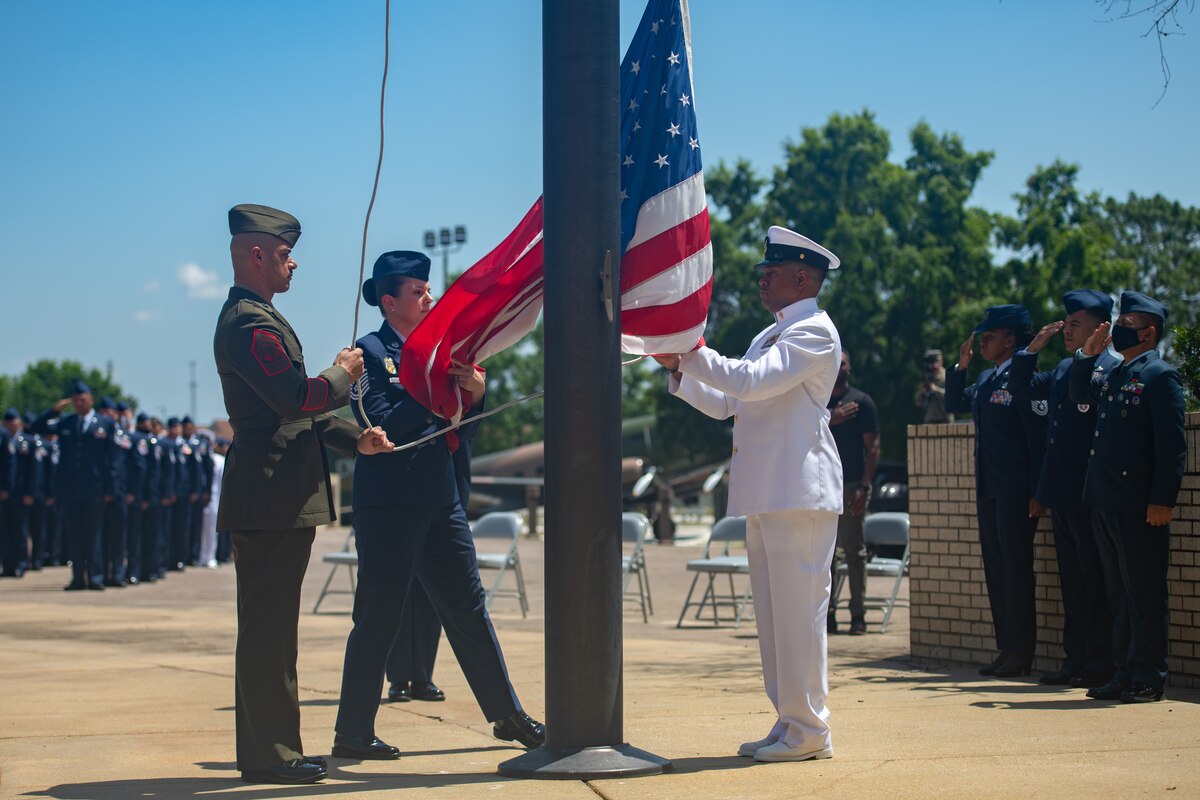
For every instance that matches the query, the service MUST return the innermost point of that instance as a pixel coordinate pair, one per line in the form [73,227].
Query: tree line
[920,264]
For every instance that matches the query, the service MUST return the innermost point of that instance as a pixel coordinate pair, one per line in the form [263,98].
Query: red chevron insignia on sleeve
[269,353]
[316,392]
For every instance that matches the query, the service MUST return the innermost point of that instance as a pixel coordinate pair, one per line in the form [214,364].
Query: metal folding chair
[882,529]
[346,557]
[635,528]
[505,526]
[725,532]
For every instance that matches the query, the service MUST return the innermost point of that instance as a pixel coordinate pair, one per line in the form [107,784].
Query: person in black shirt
[854,422]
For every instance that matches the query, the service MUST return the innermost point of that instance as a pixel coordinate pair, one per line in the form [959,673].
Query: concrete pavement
[128,694]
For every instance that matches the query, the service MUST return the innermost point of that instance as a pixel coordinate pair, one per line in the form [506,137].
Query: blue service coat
[1071,426]
[87,468]
[138,464]
[8,462]
[1139,450]
[1009,433]
[29,476]
[422,476]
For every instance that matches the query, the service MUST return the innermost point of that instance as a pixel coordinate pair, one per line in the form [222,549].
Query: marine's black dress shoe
[1109,691]
[298,770]
[1142,693]
[115,584]
[426,690]
[315,760]
[1013,666]
[1060,678]
[522,729]
[858,626]
[364,748]
[990,669]
[831,624]
[398,693]
[1089,680]
[75,586]
[96,586]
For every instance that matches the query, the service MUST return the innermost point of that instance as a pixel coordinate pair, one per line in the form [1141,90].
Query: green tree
[1187,348]
[917,265]
[1061,242]
[46,381]
[1160,238]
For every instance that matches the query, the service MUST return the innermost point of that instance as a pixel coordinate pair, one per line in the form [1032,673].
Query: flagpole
[581,162]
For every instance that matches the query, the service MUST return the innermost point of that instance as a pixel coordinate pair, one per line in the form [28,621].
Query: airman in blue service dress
[37,488]
[1135,468]
[1009,437]
[86,480]
[1087,623]
[115,510]
[140,476]
[168,467]
[276,487]
[56,546]
[179,509]
[410,527]
[21,452]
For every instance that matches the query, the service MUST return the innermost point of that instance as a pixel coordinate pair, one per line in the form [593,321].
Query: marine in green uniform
[276,488]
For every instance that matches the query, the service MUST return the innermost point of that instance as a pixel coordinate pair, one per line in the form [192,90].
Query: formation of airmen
[120,498]
[1097,441]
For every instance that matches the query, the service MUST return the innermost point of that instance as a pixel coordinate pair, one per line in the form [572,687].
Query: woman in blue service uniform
[1009,440]
[410,525]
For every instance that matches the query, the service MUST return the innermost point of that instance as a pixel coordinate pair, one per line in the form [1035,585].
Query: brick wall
[950,619]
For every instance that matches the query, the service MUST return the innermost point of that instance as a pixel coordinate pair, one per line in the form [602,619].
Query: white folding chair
[635,528]
[507,527]
[346,557]
[882,529]
[725,532]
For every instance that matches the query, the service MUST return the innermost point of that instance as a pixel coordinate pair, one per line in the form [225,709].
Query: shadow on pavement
[341,782]
[686,766]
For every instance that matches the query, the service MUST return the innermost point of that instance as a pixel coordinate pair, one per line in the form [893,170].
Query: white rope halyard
[362,261]
[362,264]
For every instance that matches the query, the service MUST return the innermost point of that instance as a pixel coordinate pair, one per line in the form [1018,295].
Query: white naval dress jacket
[784,455]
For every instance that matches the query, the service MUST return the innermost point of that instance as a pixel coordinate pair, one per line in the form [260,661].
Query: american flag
[666,263]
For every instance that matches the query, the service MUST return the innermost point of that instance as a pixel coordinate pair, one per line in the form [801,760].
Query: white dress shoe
[781,751]
[750,748]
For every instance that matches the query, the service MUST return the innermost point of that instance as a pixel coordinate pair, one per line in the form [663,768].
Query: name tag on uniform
[1001,397]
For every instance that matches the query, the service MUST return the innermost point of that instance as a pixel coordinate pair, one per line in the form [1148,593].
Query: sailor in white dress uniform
[786,478]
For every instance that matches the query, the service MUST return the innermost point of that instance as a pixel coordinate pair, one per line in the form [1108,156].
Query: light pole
[446,242]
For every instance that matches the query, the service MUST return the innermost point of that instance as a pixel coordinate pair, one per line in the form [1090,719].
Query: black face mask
[1124,337]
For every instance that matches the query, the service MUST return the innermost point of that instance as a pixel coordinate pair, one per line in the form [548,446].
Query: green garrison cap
[250,218]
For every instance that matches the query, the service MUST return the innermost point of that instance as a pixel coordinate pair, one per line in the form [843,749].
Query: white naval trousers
[208,532]
[790,555]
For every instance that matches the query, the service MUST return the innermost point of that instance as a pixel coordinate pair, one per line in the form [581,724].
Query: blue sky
[129,128]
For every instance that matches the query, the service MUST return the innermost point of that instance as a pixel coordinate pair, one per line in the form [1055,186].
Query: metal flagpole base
[585,763]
